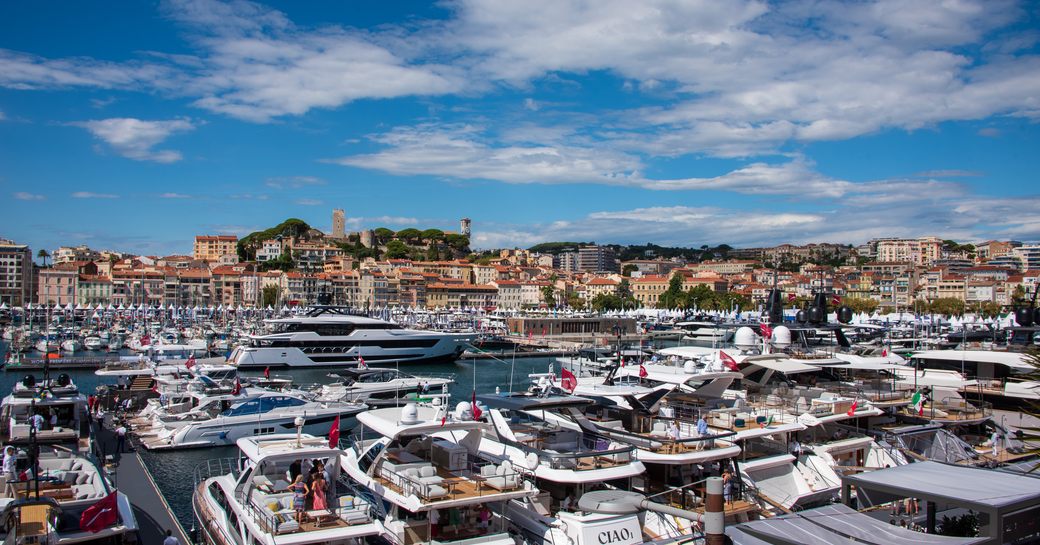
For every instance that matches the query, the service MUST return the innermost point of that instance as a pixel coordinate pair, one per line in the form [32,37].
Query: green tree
[859,304]
[1019,294]
[433,254]
[410,235]
[269,296]
[549,294]
[432,235]
[44,255]
[947,306]
[628,270]
[383,234]
[606,301]
[395,249]
[575,301]
[673,296]
[459,243]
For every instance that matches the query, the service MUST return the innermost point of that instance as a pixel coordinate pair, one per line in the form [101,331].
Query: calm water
[173,470]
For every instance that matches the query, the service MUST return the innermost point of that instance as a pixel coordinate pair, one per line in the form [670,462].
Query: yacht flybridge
[248,500]
[424,465]
[329,337]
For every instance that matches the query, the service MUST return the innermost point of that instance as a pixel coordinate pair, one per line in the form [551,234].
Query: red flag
[237,389]
[791,297]
[267,372]
[569,381]
[836,300]
[101,515]
[765,330]
[884,353]
[146,340]
[642,371]
[334,433]
[728,361]
[191,362]
[361,362]
[852,409]
[477,413]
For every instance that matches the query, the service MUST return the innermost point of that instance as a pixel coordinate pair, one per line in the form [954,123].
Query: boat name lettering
[613,536]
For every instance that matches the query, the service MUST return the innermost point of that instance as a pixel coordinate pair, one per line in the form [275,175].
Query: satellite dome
[463,411]
[781,336]
[744,339]
[689,367]
[410,414]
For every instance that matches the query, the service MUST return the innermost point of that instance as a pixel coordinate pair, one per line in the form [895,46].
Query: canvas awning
[837,525]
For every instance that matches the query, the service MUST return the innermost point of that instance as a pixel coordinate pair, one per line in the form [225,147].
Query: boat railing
[216,467]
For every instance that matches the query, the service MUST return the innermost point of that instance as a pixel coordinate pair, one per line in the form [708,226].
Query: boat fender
[532,461]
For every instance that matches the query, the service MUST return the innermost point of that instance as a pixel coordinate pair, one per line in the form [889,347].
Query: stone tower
[339,224]
[464,226]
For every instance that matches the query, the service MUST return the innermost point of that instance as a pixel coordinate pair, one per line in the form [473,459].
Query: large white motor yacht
[327,337]
[248,500]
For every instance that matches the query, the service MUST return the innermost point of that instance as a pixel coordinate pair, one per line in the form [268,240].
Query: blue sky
[703,122]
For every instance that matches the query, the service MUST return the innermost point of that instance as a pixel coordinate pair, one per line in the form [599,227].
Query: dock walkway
[132,478]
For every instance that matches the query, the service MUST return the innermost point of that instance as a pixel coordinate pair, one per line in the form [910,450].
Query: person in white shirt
[171,539]
[54,420]
[10,464]
[673,431]
[120,438]
[37,421]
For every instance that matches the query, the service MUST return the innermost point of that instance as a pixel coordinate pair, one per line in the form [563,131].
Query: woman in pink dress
[318,486]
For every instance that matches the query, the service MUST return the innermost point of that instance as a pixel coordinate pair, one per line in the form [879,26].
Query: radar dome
[689,367]
[744,338]
[410,414]
[1024,316]
[781,336]
[463,411]
[436,402]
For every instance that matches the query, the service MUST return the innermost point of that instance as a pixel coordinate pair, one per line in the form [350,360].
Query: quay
[131,477]
[519,354]
[73,362]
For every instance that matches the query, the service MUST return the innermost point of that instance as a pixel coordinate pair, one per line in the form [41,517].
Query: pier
[131,477]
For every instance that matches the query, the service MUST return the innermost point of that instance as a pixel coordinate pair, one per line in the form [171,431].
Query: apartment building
[16,274]
[919,251]
[213,247]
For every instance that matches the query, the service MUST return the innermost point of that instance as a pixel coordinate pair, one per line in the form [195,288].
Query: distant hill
[292,227]
[643,251]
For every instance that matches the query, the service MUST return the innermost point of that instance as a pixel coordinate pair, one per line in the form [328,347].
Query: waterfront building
[568,262]
[509,294]
[212,247]
[93,290]
[600,286]
[269,249]
[69,254]
[16,274]
[919,251]
[597,259]
[58,284]
[444,295]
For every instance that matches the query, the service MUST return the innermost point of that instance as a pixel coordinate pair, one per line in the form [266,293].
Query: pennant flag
[917,402]
[791,297]
[852,409]
[642,371]
[477,413]
[765,330]
[569,382]
[237,389]
[884,353]
[101,515]
[191,362]
[836,300]
[267,372]
[334,433]
[728,361]
[361,362]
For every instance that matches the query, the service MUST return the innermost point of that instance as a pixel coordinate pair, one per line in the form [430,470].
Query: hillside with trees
[292,227]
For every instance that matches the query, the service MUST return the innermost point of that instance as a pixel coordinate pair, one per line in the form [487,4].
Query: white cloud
[174,196]
[308,202]
[92,195]
[293,182]
[393,220]
[135,138]
[24,71]
[25,196]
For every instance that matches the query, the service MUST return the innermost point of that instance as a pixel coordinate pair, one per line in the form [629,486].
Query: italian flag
[918,402]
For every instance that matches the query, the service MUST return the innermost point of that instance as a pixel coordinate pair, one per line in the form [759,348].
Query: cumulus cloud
[308,202]
[25,196]
[135,138]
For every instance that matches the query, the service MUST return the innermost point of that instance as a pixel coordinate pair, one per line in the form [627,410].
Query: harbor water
[173,471]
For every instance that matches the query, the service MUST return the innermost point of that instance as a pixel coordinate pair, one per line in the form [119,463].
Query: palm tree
[44,256]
